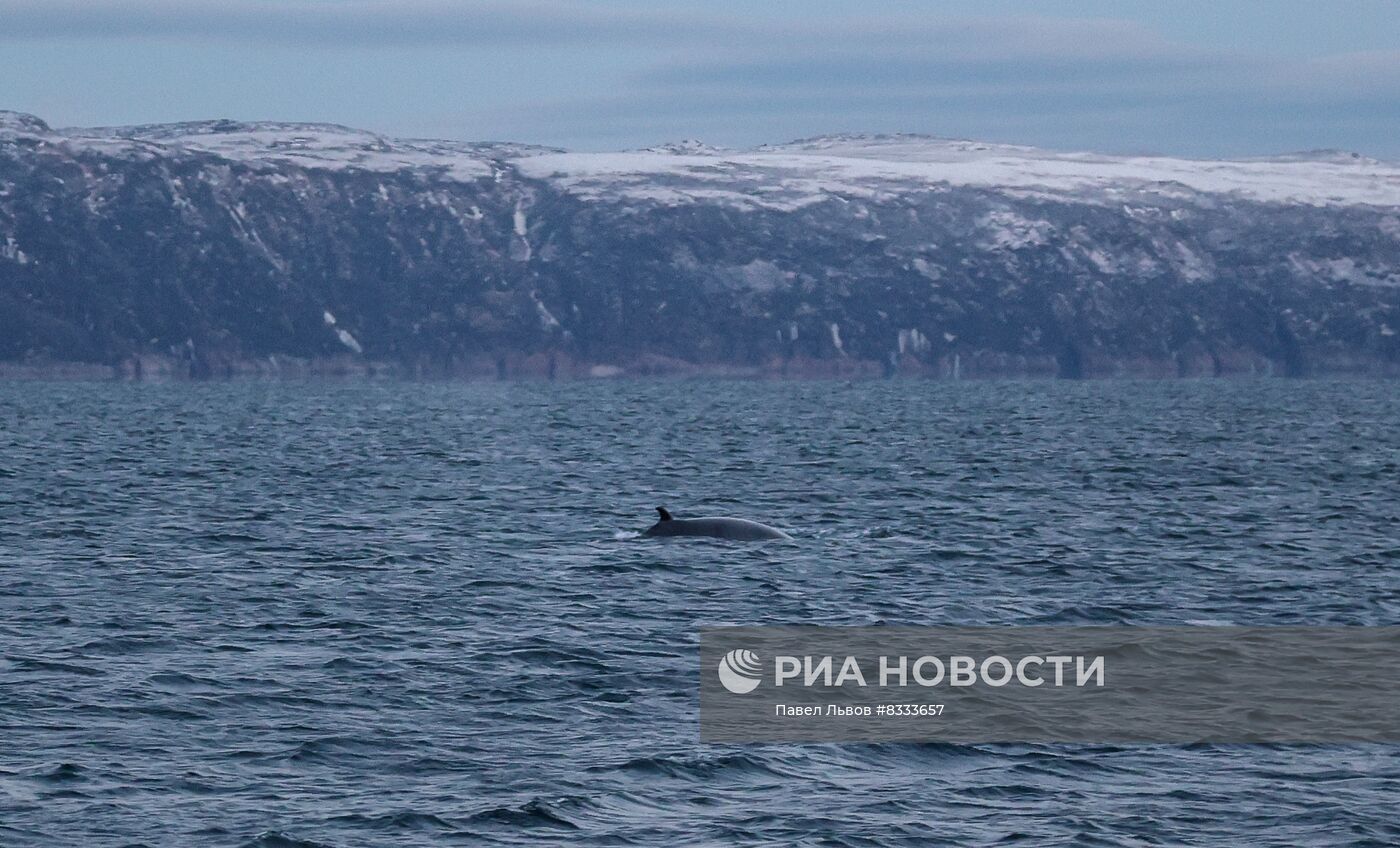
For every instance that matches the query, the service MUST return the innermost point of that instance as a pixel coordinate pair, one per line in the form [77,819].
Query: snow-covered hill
[782,175]
[809,171]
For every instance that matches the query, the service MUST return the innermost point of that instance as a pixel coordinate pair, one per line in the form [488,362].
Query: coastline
[977,365]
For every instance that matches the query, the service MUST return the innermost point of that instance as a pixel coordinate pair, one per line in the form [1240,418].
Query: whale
[736,529]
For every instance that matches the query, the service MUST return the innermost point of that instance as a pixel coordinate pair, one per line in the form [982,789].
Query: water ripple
[283,615]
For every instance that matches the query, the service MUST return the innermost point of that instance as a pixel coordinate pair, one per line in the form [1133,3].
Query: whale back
[737,529]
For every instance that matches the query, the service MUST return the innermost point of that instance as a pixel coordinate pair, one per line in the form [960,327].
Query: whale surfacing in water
[737,529]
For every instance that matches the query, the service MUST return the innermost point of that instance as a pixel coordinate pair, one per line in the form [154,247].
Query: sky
[1185,77]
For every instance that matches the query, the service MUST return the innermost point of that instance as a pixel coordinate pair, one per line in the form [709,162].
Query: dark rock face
[218,248]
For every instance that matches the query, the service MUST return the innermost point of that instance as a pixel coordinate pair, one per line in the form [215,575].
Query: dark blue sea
[370,614]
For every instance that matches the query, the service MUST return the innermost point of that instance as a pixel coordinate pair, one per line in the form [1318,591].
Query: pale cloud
[345,21]
[664,71]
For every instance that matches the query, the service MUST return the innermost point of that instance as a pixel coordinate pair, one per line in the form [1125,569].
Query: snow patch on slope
[1009,231]
[342,334]
[1343,270]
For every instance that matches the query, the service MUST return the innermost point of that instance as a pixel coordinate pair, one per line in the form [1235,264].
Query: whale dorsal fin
[665,516]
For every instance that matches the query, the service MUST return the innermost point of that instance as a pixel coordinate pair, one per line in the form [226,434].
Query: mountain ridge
[220,247]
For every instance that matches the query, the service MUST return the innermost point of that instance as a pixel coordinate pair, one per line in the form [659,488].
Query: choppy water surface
[417,614]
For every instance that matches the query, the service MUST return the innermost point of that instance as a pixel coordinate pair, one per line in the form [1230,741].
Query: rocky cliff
[217,248]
